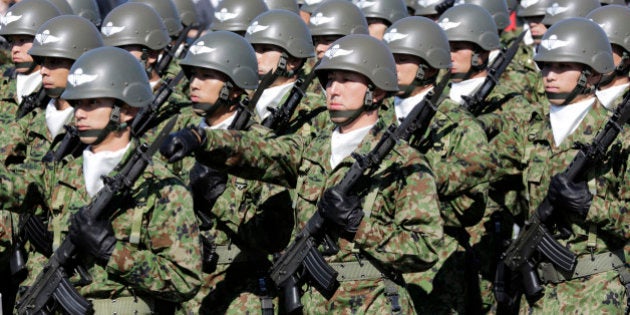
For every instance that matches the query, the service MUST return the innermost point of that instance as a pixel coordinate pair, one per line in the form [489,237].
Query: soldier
[144,255]
[236,15]
[380,14]
[246,220]
[282,43]
[573,56]
[168,12]
[559,10]
[458,153]
[613,20]
[400,225]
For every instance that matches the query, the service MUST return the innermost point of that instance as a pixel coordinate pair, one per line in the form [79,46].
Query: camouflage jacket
[165,261]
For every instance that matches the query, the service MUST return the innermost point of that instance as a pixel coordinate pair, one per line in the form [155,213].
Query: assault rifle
[280,116]
[476,104]
[146,119]
[31,102]
[302,262]
[535,235]
[53,282]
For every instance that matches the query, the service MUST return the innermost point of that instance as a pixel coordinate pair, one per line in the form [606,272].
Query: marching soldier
[559,10]
[236,15]
[380,14]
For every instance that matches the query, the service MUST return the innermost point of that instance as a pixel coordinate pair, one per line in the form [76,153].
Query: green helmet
[497,8]
[227,53]
[310,5]
[289,5]
[236,15]
[363,54]
[613,19]
[109,72]
[419,36]
[529,8]
[284,29]
[187,12]
[65,36]
[470,23]
[168,12]
[388,10]
[425,7]
[63,6]
[576,40]
[337,17]
[87,9]
[563,9]
[26,16]
[134,23]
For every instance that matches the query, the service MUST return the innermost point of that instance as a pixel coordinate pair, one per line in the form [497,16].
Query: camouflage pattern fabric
[529,149]
[165,265]
[401,234]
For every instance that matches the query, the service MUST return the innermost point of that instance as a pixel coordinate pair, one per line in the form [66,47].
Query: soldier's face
[322,43]
[345,90]
[461,56]
[54,72]
[406,68]
[92,114]
[205,85]
[267,57]
[20,44]
[561,77]
[376,27]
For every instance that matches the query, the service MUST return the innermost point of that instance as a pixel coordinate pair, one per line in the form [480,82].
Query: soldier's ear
[127,113]
[378,95]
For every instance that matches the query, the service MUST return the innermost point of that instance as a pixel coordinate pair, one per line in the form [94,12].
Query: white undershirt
[27,83]
[342,144]
[56,119]
[466,87]
[565,119]
[271,97]
[404,106]
[220,126]
[96,165]
[609,95]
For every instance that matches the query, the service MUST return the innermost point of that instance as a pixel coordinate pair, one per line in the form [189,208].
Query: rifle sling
[587,265]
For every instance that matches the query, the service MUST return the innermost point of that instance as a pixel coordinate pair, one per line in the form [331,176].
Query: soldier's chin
[87,140]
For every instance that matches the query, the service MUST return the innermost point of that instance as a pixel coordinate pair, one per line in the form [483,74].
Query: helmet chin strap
[27,64]
[620,70]
[476,65]
[114,124]
[281,69]
[208,109]
[419,80]
[579,89]
[54,92]
[352,115]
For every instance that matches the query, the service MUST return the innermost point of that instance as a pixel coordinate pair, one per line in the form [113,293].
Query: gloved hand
[343,210]
[573,198]
[95,237]
[182,143]
[207,184]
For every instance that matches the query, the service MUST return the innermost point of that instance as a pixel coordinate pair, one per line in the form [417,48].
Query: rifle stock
[53,282]
[476,103]
[535,235]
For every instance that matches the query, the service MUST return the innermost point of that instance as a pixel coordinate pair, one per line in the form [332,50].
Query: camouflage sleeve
[509,151]
[20,181]
[169,266]
[252,156]
[406,230]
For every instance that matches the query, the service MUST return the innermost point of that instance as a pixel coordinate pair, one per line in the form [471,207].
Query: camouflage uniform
[405,207]
[164,263]
[528,149]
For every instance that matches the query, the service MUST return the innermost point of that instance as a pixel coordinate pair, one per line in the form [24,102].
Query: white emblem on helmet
[428,3]
[311,2]
[201,48]
[393,35]
[255,28]
[459,2]
[336,51]
[320,19]
[553,42]
[109,29]
[446,24]
[9,18]
[78,77]
[224,15]
[528,3]
[556,9]
[362,4]
[45,37]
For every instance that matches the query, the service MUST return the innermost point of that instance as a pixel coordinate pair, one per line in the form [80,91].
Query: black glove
[182,143]
[573,198]
[95,237]
[343,210]
[207,184]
